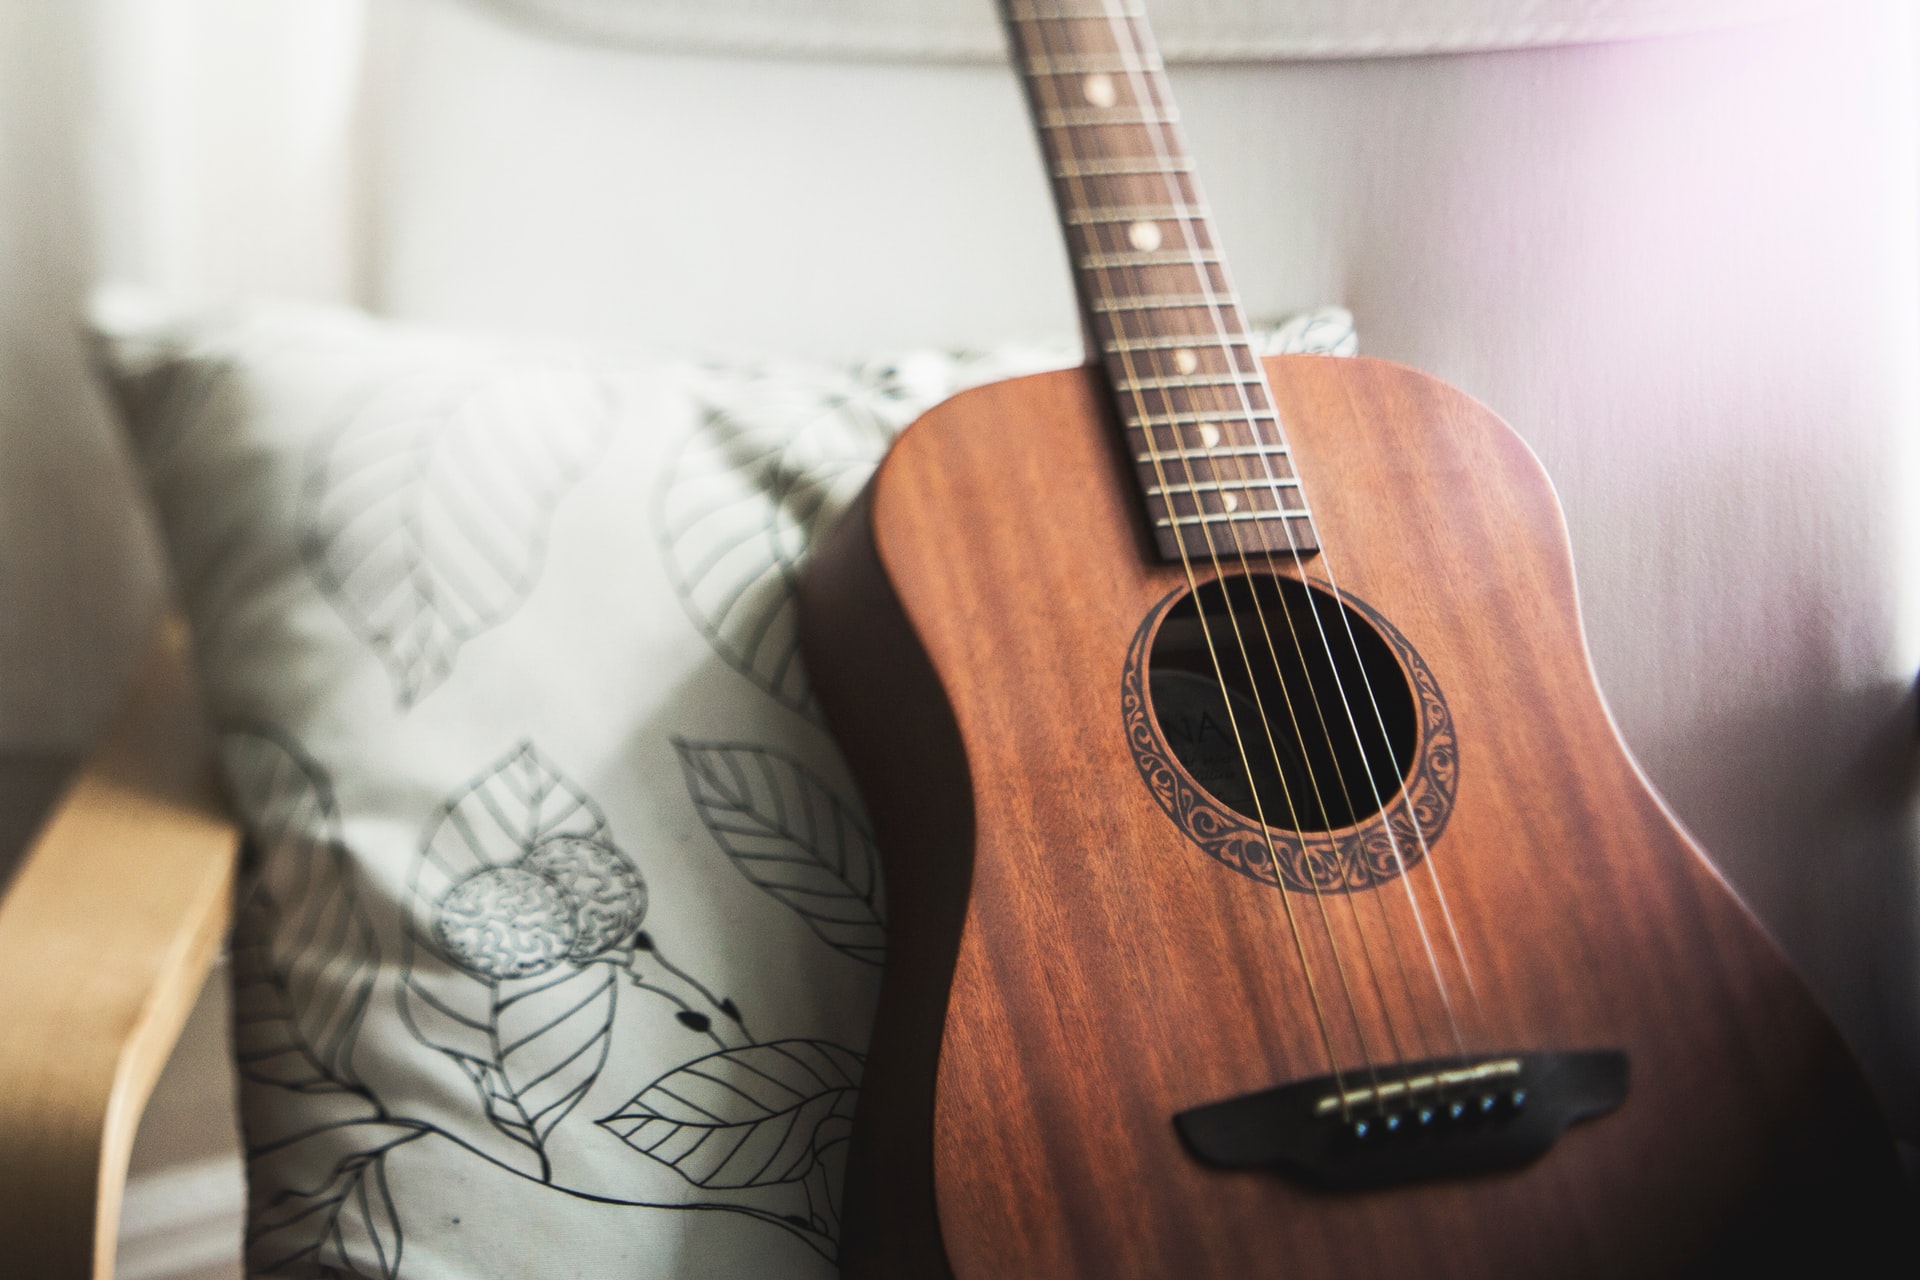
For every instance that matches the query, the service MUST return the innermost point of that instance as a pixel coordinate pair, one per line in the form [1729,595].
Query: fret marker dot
[1099,90]
[1144,236]
[1185,360]
[1209,434]
[1229,503]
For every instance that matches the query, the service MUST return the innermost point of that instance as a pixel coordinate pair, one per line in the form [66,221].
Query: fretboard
[1154,293]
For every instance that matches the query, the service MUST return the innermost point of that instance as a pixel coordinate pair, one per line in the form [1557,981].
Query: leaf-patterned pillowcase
[564,924]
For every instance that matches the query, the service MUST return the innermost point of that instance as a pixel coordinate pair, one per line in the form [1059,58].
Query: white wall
[198,147]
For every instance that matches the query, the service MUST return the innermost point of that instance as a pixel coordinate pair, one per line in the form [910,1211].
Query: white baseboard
[183,1223]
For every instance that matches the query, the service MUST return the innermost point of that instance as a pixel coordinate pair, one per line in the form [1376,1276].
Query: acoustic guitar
[1271,893]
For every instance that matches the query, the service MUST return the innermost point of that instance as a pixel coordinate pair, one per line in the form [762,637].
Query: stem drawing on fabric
[792,837]
[305,962]
[744,495]
[425,515]
[525,925]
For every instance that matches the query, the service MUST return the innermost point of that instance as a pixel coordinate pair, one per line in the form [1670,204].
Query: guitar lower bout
[1494,888]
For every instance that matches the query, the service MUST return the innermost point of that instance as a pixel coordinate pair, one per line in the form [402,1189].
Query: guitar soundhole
[1318,753]
[1294,737]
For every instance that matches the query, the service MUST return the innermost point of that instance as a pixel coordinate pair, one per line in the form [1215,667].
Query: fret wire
[1271,515]
[1111,279]
[1222,303]
[1194,417]
[1261,538]
[1187,450]
[1165,301]
[1097,117]
[1118,166]
[1204,454]
[1161,339]
[1040,64]
[1151,258]
[1176,341]
[1246,377]
[1222,422]
[1193,487]
[1136,213]
[1166,384]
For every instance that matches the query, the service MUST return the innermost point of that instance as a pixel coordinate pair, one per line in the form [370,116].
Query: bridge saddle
[1410,1122]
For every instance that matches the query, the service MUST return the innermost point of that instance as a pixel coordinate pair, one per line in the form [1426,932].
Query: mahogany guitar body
[1069,968]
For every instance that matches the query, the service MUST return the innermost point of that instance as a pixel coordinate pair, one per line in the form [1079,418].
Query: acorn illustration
[506,922]
[608,896]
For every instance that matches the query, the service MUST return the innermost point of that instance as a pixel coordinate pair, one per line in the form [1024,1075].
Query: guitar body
[1069,968]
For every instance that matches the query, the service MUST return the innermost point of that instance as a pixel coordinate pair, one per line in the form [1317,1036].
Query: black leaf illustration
[552,1038]
[748,1117]
[426,514]
[304,953]
[791,836]
[743,498]
[342,1224]
[517,871]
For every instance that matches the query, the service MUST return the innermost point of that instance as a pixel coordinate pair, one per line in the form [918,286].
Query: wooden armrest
[106,935]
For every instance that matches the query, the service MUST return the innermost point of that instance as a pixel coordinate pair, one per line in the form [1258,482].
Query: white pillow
[564,919]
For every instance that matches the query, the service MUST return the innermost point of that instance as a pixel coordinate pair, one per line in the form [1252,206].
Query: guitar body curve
[1068,969]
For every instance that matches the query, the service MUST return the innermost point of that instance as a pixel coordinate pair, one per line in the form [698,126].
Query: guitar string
[1065,144]
[1319,710]
[1346,703]
[1266,724]
[1273,486]
[1069,149]
[1246,412]
[1148,106]
[1419,832]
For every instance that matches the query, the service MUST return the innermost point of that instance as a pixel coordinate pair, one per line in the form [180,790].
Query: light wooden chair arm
[106,934]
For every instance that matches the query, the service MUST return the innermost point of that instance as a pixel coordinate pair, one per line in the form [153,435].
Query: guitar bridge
[1411,1122]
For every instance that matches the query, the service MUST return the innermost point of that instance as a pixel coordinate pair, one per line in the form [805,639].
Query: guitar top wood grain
[1106,975]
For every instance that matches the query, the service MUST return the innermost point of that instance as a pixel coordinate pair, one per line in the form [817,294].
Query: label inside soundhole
[1193,716]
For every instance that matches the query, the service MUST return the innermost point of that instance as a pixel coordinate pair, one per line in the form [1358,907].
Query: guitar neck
[1155,297]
